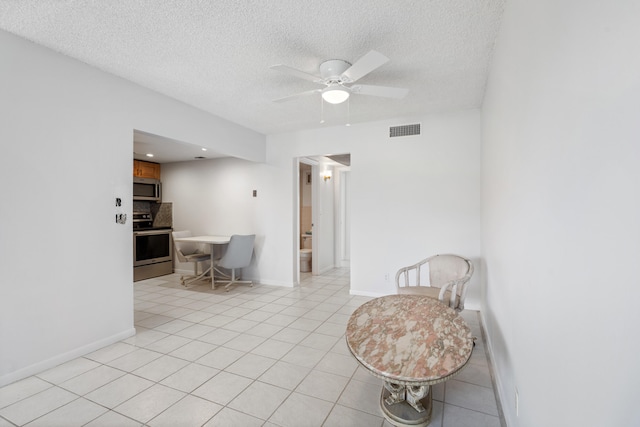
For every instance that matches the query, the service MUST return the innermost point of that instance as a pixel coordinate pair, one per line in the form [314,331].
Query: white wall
[215,197]
[411,197]
[561,209]
[67,141]
[305,187]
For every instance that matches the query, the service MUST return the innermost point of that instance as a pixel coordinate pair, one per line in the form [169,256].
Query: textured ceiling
[215,55]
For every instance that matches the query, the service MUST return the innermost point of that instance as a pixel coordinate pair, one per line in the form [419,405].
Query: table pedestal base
[406,406]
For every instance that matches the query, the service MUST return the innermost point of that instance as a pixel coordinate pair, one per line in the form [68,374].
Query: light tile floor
[256,356]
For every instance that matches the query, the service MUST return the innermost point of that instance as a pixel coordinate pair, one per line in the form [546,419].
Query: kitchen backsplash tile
[162,214]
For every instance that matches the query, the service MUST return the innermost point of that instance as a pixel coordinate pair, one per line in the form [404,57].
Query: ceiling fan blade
[385,91]
[297,73]
[365,65]
[298,95]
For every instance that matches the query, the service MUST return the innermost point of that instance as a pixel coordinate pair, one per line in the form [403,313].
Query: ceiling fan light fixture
[335,95]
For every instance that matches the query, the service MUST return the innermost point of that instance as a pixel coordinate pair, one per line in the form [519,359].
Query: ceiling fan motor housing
[331,70]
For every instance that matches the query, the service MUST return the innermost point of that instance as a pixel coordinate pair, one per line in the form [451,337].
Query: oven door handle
[150,232]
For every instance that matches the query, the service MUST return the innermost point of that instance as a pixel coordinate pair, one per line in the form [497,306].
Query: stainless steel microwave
[147,189]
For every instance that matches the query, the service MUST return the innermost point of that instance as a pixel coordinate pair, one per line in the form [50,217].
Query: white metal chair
[189,252]
[238,255]
[444,277]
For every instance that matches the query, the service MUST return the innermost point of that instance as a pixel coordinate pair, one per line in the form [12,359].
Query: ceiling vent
[404,130]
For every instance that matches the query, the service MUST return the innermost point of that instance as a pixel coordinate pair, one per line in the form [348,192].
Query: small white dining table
[212,241]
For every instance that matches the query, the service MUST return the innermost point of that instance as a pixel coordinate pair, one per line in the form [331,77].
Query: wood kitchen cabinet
[143,169]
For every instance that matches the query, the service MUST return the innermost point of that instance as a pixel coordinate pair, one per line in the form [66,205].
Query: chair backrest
[184,248]
[449,276]
[445,268]
[440,270]
[239,252]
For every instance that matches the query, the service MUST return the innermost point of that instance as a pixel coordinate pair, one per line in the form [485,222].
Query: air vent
[404,130]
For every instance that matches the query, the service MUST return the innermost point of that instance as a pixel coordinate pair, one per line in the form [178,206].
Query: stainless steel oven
[152,253]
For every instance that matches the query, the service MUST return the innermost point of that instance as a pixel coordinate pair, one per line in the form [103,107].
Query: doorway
[323,195]
[305,217]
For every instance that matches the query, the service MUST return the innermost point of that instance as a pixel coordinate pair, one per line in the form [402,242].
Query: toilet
[305,253]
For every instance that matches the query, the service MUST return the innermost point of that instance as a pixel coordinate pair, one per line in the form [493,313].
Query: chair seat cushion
[428,291]
[197,257]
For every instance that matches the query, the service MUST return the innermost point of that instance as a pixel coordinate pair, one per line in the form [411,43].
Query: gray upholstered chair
[237,256]
[189,252]
[444,277]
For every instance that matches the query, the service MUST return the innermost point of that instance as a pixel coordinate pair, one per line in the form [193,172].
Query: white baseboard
[256,281]
[273,283]
[183,272]
[499,388]
[52,362]
[366,294]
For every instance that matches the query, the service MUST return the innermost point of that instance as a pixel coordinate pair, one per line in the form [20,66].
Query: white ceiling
[215,55]
[167,150]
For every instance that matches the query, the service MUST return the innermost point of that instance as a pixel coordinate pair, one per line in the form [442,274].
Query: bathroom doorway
[322,238]
[307,186]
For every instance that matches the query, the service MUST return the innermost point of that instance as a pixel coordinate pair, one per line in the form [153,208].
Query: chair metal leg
[234,281]
[219,274]
[187,280]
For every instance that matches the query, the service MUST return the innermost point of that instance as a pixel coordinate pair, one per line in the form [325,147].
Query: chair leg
[234,281]
[187,280]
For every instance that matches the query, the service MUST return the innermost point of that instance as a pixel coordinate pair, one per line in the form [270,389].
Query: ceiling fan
[338,77]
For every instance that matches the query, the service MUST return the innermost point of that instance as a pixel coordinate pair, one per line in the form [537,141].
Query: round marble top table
[411,342]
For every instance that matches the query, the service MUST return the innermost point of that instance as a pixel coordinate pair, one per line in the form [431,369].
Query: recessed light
[204,149]
[149,155]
